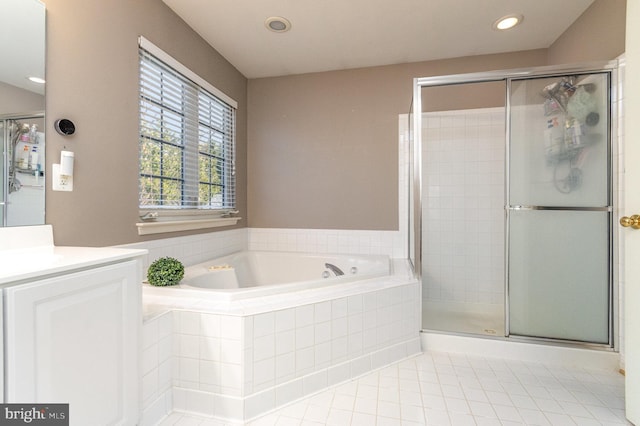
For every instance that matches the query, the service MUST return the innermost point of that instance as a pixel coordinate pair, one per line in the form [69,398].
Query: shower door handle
[633,221]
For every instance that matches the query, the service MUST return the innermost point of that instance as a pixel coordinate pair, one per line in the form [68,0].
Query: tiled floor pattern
[438,388]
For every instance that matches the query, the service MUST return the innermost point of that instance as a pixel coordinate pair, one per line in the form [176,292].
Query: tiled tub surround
[237,360]
[157,367]
[194,249]
[334,241]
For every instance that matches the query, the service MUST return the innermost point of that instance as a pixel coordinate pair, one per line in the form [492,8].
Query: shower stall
[512,203]
[22,170]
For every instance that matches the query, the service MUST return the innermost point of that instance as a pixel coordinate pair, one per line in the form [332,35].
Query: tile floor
[438,388]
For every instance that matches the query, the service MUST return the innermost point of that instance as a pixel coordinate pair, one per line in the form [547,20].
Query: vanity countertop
[35,256]
[21,265]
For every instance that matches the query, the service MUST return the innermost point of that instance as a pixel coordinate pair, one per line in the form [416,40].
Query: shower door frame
[610,67]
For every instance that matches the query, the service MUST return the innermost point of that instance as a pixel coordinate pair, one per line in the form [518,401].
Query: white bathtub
[291,332]
[249,274]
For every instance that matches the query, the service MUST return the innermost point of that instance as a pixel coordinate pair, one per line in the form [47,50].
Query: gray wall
[92,79]
[598,34]
[320,150]
[16,100]
[323,147]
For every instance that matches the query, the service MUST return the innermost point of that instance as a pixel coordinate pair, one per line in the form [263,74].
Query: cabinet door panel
[73,339]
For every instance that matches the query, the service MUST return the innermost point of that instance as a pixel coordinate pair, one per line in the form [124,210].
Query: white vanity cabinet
[73,338]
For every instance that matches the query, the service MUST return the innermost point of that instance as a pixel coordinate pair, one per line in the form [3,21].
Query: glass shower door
[3,148]
[559,208]
[462,160]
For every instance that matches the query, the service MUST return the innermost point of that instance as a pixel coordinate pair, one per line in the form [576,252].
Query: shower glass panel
[558,275]
[22,191]
[514,188]
[559,208]
[3,179]
[463,195]
[559,142]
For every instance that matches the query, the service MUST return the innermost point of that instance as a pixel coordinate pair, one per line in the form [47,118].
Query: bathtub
[276,330]
[249,274]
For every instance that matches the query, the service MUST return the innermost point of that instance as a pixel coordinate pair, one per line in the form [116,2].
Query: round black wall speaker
[65,127]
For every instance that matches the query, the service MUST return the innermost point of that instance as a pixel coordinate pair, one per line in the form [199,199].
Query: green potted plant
[165,271]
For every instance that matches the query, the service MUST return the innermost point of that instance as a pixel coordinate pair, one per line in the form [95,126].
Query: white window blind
[187,143]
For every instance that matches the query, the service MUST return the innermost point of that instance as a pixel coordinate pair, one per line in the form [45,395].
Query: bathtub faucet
[334,269]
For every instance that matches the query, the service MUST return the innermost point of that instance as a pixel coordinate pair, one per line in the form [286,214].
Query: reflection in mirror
[24,170]
[22,49]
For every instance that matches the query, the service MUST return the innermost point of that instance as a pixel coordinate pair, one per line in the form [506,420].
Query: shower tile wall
[463,192]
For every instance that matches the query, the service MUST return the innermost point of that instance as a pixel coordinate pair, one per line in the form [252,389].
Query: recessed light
[277,24]
[507,22]
[37,80]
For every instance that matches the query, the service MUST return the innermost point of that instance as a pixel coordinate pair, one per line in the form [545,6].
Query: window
[186,140]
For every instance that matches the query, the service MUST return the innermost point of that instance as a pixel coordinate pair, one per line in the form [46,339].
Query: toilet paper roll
[66,163]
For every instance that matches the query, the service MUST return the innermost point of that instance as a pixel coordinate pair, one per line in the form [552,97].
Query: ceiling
[22,43]
[342,34]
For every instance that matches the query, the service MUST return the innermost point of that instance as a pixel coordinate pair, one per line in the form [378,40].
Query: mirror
[22,138]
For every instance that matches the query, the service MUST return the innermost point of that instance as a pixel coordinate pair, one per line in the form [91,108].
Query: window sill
[147,228]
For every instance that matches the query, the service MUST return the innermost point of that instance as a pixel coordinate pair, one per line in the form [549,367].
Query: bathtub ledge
[159,300]
[157,305]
